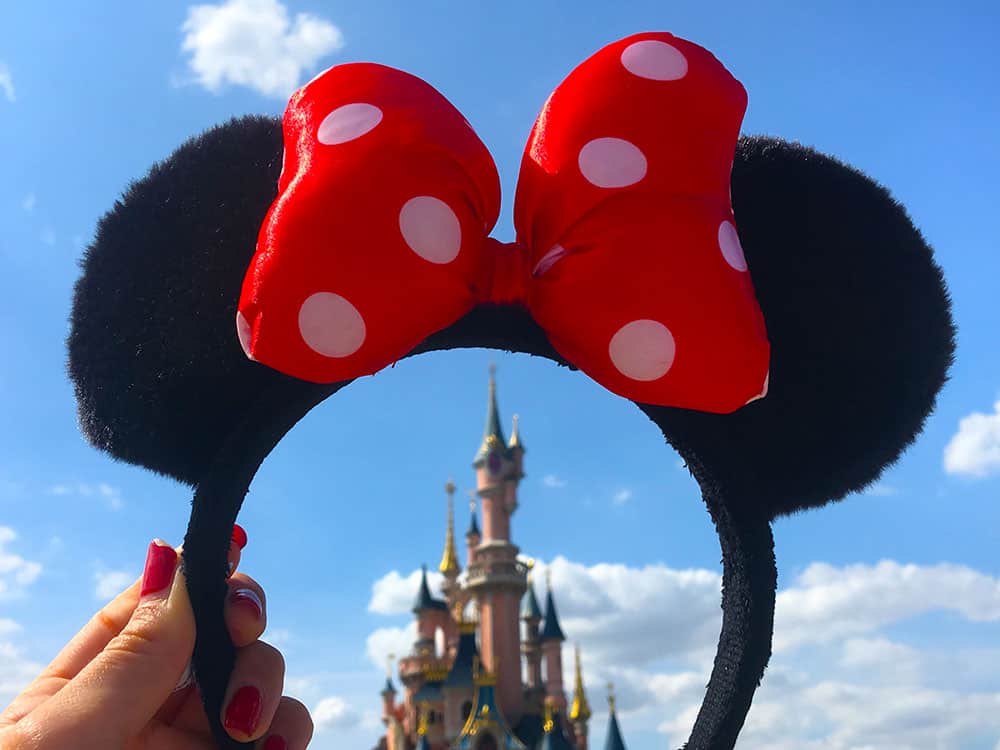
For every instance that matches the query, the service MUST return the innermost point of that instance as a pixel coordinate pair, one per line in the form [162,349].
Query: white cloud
[28,204]
[385,641]
[16,573]
[393,594]
[553,481]
[7,83]
[828,603]
[974,451]
[333,712]
[622,496]
[16,671]
[110,583]
[254,43]
[109,495]
[837,681]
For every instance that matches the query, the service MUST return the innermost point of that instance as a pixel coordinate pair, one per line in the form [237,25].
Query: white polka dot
[244,332]
[642,350]
[431,229]
[549,259]
[347,123]
[729,244]
[655,60]
[612,163]
[330,325]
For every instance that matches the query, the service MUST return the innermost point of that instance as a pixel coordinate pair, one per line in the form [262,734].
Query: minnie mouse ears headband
[789,345]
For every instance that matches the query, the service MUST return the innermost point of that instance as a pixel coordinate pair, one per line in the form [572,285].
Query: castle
[486,671]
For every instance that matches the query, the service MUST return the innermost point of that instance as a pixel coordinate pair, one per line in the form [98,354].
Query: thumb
[116,695]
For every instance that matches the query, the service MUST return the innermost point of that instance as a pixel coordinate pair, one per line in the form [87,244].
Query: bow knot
[507,273]
[626,254]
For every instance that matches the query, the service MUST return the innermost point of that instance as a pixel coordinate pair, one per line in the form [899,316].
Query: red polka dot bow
[627,253]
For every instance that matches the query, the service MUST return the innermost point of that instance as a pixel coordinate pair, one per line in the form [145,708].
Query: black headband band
[855,306]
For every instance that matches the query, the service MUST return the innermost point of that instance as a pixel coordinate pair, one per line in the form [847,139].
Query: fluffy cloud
[974,451]
[828,603]
[254,43]
[384,642]
[393,594]
[108,584]
[553,481]
[15,572]
[7,83]
[334,713]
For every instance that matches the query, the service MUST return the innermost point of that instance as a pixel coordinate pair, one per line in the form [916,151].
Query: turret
[473,535]
[388,693]
[516,450]
[579,711]
[614,739]
[431,614]
[552,638]
[531,646]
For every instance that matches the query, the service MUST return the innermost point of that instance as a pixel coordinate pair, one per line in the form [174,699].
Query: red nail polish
[275,742]
[239,536]
[249,599]
[161,560]
[243,711]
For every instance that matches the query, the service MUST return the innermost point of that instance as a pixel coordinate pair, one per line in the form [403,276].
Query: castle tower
[497,579]
[531,646]
[579,711]
[552,639]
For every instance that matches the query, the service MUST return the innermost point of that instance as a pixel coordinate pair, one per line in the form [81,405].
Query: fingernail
[249,599]
[243,711]
[161,560]
[239,536]
[275,742]
[186,679]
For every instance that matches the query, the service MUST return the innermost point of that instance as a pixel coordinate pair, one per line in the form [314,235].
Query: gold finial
[473,501]
[548,724]
[530,565]
[611,697]
[449,560]
[515,435]
[493,370]
[580,710]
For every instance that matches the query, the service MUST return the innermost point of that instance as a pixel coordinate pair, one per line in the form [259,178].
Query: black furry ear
[860,327]
[160,377]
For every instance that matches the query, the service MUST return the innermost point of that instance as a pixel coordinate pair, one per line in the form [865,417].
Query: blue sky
[889,612]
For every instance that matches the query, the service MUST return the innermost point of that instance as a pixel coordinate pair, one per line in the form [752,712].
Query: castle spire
[473,523]
[551,630]
[493,434]
[515,435]
[614,739]
[449,560]
[580,710]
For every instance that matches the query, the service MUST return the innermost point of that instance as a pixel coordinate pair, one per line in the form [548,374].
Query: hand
[123,681]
